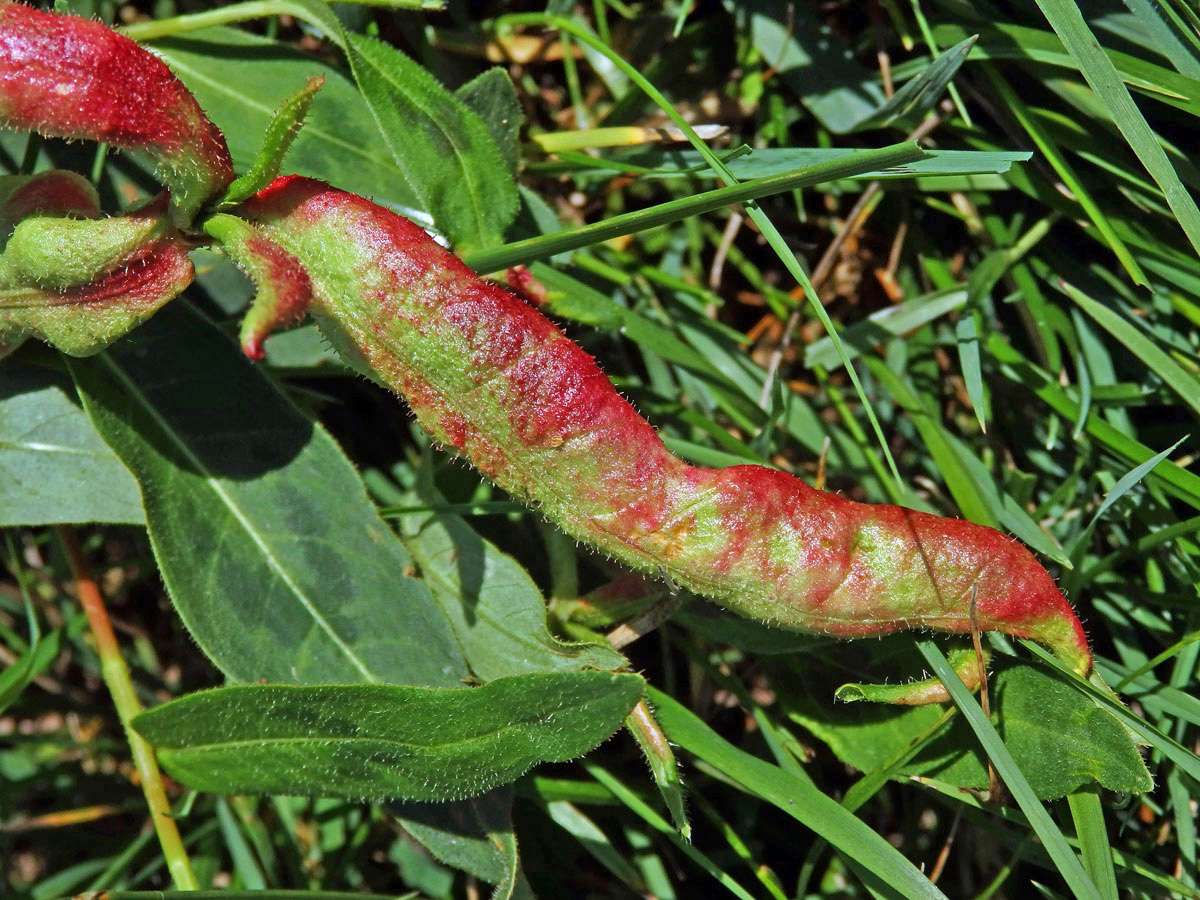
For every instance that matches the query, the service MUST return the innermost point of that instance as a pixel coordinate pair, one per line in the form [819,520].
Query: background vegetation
[1024,324]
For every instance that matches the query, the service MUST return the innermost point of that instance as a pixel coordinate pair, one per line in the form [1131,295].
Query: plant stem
[120,685]
[672,211]
[236,12]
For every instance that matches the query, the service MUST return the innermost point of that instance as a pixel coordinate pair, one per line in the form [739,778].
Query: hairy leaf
[1060,738]
[491,96]
[443,150]
[275,559]
[384,741]
[241,79]
[497,611]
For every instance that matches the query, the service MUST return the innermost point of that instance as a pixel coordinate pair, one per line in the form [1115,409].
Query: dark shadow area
[192,396]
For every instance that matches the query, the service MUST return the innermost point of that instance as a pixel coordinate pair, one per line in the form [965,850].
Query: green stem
[256,895]
[120,685]
[235,12]
[225,15]
[674,210]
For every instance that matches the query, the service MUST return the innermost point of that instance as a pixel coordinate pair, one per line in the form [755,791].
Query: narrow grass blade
[675,210]
[797,798]
[1131,479]
[1088,814]
[1135,340]
[631,800]
[1052,837]
[1068,22]
[569,817]
[1058,161]
[1179,480]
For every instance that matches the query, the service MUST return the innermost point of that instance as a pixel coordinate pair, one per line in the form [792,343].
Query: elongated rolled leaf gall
[491,377]
[69,77]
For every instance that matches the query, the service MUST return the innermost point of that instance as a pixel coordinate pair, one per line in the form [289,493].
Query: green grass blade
[569,817]
[545,246]
[1068,22]
[1058,161]
[1052,837]
[1131,479]
[1088,814]
[1179,480]
[1134,339]
[795,797]
[657,822]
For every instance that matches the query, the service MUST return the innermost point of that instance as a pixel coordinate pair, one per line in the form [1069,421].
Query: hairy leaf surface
[275,559]
[384,741]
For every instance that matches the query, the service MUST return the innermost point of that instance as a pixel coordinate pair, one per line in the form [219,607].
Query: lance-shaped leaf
[443,150]
[283,130]
[65,76]
[384,741]
[275,559]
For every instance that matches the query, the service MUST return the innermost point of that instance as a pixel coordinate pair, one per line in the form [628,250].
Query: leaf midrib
[268,555]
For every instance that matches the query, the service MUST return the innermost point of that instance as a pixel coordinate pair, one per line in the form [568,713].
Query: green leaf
[1180,481]
[795,797]
[443,150]
[1088,814]
[1060,739]
[1057,159]
[770,161]
[55,467]
[497,612]
[281,134]
[1185,384]
[384,741]
[492,97]
[18,674]
[240,80]
[919,95]
[1013,774]
[1003,40]
[274,557]
[474,835]
[966,332]
[548,245]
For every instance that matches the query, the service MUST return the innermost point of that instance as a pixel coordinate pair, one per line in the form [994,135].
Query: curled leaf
[83,319]
[57,192]
[917,693]
[69,77]
[54,252]
[489,376]
[284,289]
